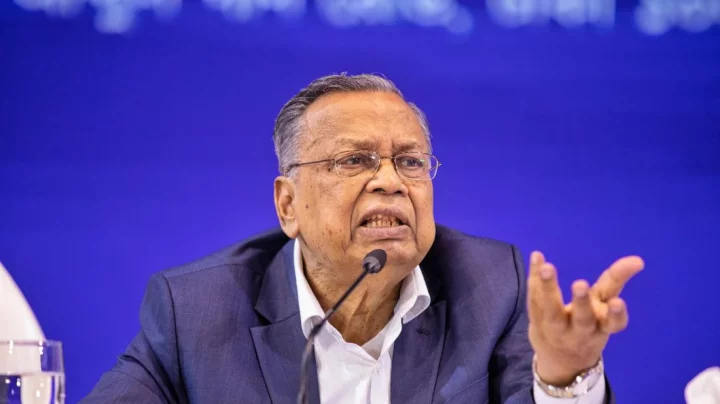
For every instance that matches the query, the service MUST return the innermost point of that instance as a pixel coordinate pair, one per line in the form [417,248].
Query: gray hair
[288,124]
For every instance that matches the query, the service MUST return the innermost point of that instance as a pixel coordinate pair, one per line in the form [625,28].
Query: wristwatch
[579,387]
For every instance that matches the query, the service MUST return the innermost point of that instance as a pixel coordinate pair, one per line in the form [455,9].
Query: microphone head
[375,261]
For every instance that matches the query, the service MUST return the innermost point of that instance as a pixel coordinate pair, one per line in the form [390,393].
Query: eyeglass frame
[378,158]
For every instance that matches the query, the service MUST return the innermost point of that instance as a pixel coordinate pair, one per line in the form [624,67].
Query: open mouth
[376,221]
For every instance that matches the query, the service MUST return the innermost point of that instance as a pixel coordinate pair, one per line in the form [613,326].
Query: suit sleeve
[148,371]
[511,379]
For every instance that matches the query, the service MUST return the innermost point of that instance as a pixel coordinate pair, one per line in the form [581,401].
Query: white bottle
[18,323]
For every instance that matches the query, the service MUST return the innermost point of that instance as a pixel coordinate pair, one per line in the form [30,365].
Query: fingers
[616,319]
[592,309]
[544,294]
[613,279]
[582,316]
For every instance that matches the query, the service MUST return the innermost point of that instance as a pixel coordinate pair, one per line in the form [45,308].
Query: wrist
[562,384]
[553,375]
[558,375]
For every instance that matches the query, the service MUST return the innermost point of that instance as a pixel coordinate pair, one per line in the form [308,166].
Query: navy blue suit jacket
[227,329]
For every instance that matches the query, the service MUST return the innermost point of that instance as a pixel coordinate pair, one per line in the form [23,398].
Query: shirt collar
[414,296]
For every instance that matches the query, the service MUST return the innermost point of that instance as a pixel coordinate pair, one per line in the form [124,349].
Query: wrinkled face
[340,219]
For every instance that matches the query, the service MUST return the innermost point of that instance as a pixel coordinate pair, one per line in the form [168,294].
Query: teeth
[382,221]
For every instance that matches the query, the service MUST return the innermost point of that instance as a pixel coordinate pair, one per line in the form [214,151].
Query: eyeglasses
[412,165]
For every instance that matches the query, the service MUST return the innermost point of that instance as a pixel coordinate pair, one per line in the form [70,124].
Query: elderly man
[450,319]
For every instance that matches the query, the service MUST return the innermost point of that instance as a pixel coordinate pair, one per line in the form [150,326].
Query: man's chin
[399,252]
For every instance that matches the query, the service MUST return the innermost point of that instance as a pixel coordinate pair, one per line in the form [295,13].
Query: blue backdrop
[125,154]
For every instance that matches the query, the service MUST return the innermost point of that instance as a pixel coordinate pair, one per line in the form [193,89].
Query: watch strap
[582,383]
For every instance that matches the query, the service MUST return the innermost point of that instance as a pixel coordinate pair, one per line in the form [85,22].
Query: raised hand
[570,338]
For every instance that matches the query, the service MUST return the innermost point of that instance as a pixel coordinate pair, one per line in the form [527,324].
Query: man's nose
[387,179]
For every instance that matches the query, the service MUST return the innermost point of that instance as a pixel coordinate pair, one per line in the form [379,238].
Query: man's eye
[354,160]
[412,162]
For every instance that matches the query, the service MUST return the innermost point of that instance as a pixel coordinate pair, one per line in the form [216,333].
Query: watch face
[586,384]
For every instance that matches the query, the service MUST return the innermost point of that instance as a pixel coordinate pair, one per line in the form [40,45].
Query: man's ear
[284,206]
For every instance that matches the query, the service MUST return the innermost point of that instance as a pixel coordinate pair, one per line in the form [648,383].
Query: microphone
[373,262]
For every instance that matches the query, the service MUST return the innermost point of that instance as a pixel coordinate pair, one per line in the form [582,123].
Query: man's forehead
[351,120]
[361,142]
[342,109]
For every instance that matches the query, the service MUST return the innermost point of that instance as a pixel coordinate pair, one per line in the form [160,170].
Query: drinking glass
[31,372]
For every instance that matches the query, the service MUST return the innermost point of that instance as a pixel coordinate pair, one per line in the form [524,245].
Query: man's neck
[364,313]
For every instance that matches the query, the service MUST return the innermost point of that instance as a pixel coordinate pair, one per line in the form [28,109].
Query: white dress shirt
[361,374]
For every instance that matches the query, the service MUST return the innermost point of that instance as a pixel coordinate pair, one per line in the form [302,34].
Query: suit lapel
[416,357]
[279,344]
[279,348]
[418,349]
